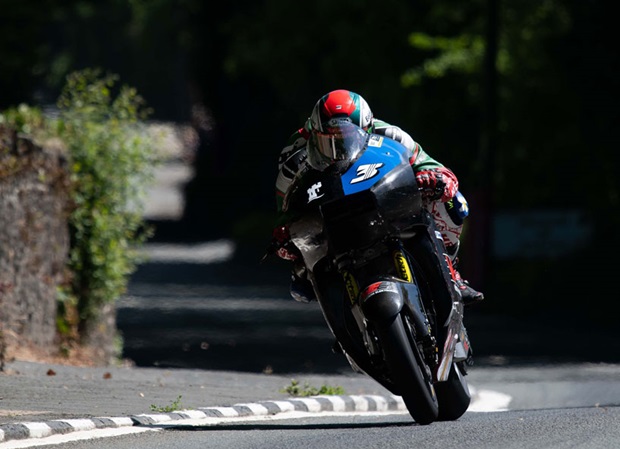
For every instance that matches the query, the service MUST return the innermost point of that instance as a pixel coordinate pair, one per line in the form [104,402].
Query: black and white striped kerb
[314,404]
[20,431]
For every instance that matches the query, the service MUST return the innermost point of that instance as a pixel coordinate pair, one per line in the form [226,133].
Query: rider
[439,185]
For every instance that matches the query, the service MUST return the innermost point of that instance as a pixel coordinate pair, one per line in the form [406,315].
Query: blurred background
[518,97]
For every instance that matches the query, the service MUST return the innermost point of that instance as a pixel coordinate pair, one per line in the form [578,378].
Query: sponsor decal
[377,287]
[313,192]
[402,267]
[366,171]
[375,141]
[350,284]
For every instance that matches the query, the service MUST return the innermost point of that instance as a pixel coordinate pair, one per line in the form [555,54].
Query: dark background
[518,97]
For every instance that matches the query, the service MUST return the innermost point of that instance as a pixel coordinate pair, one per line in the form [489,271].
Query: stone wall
[34,241]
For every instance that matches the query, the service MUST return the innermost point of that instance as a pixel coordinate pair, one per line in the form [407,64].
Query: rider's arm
[291,161]
[418,158]
[438,181]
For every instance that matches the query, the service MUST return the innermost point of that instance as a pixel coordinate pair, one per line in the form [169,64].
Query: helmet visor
[341,141]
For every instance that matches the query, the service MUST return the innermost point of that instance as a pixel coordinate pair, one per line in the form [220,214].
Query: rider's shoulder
[381,124]
[387,129]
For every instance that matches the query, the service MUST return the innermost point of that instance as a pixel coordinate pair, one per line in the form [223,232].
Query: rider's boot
[468,294]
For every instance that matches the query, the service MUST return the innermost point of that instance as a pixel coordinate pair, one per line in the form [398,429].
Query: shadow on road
[237,315]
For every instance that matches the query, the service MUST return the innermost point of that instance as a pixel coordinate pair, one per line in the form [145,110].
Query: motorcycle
[381,274]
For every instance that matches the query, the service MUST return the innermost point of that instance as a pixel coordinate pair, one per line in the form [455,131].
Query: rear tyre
[411,377]
[453,395]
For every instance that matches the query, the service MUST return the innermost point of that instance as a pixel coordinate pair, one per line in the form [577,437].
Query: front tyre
[453,395]
[408,371]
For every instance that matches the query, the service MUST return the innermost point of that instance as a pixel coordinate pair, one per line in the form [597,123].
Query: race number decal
[366,171]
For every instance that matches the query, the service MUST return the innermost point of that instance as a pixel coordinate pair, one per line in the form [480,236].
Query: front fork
[395,292]
[421,326]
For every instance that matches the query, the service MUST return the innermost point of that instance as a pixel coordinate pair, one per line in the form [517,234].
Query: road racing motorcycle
[381,273]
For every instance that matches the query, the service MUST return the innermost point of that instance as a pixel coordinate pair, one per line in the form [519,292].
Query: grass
[295,389]
[173,407]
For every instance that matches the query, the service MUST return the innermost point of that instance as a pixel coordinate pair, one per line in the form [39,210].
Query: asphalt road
[593,428]
[559,406]
[202,330]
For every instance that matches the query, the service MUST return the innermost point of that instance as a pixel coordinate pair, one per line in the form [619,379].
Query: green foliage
[462,54]
[294,389]
[24,119]
[173,407]
[112,159]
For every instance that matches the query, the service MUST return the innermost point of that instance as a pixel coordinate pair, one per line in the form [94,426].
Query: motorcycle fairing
[384,203]
[378,160]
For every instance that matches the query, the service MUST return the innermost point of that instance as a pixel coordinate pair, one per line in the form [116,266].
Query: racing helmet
[338,128]
[338,145]
[341,103]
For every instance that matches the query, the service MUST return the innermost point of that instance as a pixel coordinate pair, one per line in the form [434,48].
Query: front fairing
[303,204]
[339,209]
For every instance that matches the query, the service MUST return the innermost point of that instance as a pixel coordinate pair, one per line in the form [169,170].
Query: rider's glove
[281,241]
[437,184]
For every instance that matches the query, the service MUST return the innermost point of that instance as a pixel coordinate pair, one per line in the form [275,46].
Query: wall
[34,241]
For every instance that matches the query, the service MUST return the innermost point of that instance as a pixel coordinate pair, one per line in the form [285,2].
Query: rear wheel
[453,395]
[409,372]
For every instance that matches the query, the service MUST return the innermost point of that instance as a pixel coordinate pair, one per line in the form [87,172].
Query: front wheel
[453,395]
[408,371]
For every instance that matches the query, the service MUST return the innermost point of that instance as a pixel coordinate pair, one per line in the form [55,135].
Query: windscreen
[341,141]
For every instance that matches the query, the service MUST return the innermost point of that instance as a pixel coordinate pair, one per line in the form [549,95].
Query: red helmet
[341,104]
